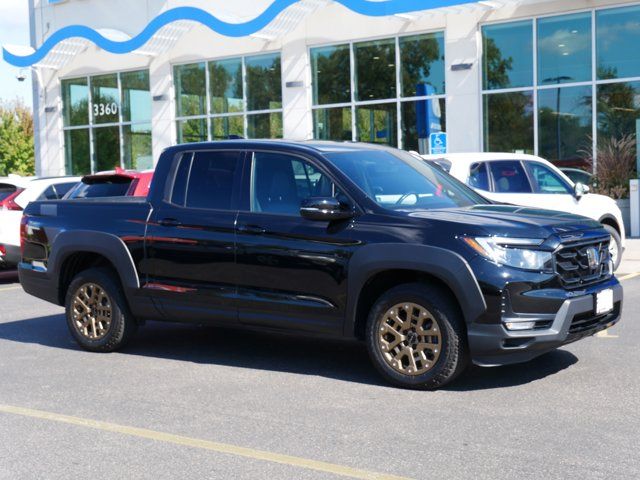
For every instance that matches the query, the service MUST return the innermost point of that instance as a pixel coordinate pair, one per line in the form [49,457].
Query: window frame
[209,116]
[593,82]
[534,181]
[525,170]
[398,100]
[247,187]
[91,125]
[236,187]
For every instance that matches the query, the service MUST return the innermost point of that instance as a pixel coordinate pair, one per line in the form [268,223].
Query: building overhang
[279,18]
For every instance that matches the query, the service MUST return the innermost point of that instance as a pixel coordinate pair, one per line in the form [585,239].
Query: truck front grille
[580,264]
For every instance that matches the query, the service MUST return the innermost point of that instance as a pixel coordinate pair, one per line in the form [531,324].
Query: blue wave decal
[363,7]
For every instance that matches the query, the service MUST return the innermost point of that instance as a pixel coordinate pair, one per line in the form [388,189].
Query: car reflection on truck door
[292,272]
[190,239]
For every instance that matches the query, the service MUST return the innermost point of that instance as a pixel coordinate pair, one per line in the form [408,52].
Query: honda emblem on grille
[593,257]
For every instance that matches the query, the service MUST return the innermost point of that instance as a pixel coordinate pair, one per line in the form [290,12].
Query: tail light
[9,203]
[3,251]
[23,232]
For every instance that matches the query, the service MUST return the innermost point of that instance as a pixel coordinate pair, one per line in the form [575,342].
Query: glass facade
[107,122]
[388,91]
[230,98]
[559,86]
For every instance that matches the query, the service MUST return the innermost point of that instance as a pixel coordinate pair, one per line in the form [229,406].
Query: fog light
[520,325]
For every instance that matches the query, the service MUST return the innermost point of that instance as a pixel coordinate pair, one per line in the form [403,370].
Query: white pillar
[163,127]
[296,97]
[634,196]
[462,46]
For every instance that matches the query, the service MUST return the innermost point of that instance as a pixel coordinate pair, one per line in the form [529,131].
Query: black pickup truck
[333,239]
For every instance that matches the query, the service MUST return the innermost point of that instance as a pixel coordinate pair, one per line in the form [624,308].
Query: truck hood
[509,220]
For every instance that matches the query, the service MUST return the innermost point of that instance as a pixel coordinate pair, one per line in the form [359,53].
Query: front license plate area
[604,302]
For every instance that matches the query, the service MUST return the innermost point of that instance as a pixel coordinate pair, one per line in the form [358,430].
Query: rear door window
[509,176]
[212,178]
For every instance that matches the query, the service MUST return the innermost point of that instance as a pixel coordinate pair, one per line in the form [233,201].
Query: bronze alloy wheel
[91,311]
[409,338]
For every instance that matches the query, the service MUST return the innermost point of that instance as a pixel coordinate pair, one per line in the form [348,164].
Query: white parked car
[531,181]
[18,192]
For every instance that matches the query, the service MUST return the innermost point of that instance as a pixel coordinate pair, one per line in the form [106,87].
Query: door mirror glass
[580,189]
[325,209]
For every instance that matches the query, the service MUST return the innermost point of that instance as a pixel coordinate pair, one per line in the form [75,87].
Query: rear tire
[97,313]
[615,248]
[416,338]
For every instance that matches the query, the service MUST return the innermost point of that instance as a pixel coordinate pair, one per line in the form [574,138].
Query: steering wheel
[407,195]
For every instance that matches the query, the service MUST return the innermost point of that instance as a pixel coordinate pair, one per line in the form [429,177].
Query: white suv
[531,181]
[20,191]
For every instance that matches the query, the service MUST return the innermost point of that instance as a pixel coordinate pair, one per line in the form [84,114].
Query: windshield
[397,180]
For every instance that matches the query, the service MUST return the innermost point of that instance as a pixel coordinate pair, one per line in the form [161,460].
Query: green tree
[16,139]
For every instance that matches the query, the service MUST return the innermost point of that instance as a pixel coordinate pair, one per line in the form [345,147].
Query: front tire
[97,314]
[615,247]
[416,338]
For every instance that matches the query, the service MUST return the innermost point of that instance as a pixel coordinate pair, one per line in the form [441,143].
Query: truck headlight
[512,252]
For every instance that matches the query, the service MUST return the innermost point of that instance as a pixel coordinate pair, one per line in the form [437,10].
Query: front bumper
[493,344]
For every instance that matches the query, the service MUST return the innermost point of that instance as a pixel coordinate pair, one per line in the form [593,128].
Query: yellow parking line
[10,288]
[629,276]
[202,444]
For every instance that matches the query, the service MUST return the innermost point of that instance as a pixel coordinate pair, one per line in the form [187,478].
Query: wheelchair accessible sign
[438,143]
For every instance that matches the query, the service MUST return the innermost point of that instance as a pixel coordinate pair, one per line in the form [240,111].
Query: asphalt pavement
[198,402]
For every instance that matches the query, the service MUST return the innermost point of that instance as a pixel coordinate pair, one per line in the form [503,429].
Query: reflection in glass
[77,152]
[377,124]
[507,61]
[264,82]
[564,123]
[105,98]
[564,49]
[224,128]
[136,97]
[190,84]
[332,124]
[106,147]
[508,122]
[422,61]
[617,29]
[419,120]
[225,84]
[136,141]
[375,70]
[75,101]
[618,110]
[192,130]
[264,125]
[330,67]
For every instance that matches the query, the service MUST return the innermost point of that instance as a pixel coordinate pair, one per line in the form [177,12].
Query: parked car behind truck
[531,181]
[344,240]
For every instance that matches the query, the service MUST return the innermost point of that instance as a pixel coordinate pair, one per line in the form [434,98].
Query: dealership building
[117,81]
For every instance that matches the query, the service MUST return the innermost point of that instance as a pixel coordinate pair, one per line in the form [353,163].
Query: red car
[117,183]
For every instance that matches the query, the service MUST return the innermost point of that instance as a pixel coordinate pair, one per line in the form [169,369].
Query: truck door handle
[255,229]
[170,222]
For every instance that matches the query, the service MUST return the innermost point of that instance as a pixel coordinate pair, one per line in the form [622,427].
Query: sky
[14,29]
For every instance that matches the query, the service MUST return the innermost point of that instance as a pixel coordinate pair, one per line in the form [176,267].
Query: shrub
[616,164]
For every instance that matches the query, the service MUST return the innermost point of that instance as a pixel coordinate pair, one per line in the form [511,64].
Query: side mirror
[325,209]
[580,189]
